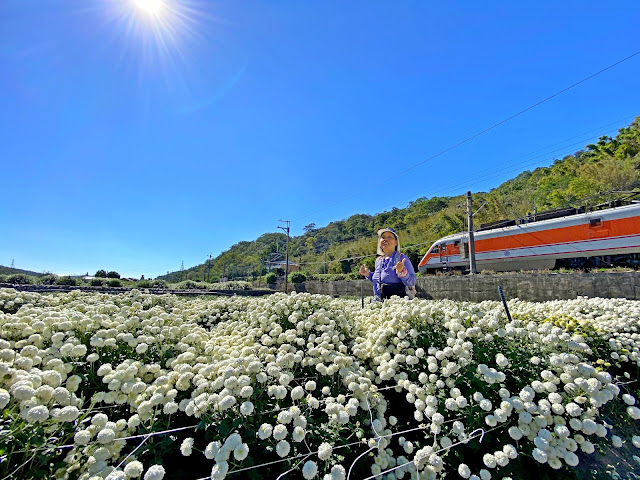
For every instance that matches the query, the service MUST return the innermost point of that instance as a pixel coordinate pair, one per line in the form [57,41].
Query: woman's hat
[390,230]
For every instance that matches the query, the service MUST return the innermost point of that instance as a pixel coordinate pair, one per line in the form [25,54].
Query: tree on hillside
[101,274]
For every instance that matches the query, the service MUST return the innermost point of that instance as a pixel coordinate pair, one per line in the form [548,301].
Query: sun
[150,7]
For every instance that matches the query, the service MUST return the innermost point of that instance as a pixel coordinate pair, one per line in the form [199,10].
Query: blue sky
[133,142]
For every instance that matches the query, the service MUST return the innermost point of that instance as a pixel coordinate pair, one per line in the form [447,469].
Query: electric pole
[325,261]
[182,271]
[472,247]
[286,266]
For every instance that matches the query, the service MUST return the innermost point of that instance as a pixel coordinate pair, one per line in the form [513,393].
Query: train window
[435,249]
[456,243]
[595,222]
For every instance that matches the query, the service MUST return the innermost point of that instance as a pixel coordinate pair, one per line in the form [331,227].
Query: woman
[394,274]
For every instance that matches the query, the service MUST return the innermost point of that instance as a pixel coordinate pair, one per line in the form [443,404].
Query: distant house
[293,267]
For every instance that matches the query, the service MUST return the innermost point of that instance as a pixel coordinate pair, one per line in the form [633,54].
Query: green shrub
[271,278]
[114,282]
[231,285]
[113,274]
[297,277]
[3,279]
[69,281]
[47,280]
[151,284]
[101,274]
[19,279]
[190,285]
[96,282]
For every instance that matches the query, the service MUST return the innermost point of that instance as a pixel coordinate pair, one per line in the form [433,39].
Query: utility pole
[472,247]
[182,271]
[325,261]
[286,266]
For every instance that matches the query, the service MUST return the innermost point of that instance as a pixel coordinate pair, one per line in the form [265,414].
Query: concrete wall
[476,288]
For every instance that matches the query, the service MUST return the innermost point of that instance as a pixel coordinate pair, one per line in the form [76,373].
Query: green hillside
[589,176]
[13,271]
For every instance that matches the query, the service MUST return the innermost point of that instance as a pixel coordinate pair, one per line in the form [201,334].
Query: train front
[431,259]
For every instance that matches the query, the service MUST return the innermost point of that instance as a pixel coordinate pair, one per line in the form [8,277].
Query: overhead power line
[468,139]
[493,172]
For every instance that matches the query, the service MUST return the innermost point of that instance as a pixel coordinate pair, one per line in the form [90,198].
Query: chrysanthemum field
[98,386]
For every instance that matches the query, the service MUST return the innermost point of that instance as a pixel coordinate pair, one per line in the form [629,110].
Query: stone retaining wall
[476,288]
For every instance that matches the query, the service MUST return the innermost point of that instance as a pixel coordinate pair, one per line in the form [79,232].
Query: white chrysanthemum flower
[187,446]
[154,472]
[628,399]
[4,398]
[501,360]
[464,471]
[280,432]
[83,437]
[212,450]
[232,441]
[324,451]
[69,414]
[99,420]
[338,472]
[283,448]
[297,393]
[246,391]
[246,408]
[489,460]
[408,447]
[539,455]
[170,408]
[241,452]
[106,435]
[265,431]
[298,434]
[37,414]
[309,470]
[133,469]
[220,470]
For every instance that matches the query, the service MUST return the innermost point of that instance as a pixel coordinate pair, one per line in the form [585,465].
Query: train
[575,238]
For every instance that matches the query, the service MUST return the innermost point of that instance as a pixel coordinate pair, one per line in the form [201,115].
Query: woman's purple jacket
[385,272]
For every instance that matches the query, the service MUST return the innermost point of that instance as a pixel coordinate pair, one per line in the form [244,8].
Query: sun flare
[150,7]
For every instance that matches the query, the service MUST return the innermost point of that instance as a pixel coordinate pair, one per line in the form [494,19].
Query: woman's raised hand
[400,266]
[364,271]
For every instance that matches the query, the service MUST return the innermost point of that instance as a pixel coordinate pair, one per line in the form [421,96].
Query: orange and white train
[574,239]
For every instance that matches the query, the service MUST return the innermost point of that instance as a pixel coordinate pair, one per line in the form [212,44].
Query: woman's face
[388,242]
